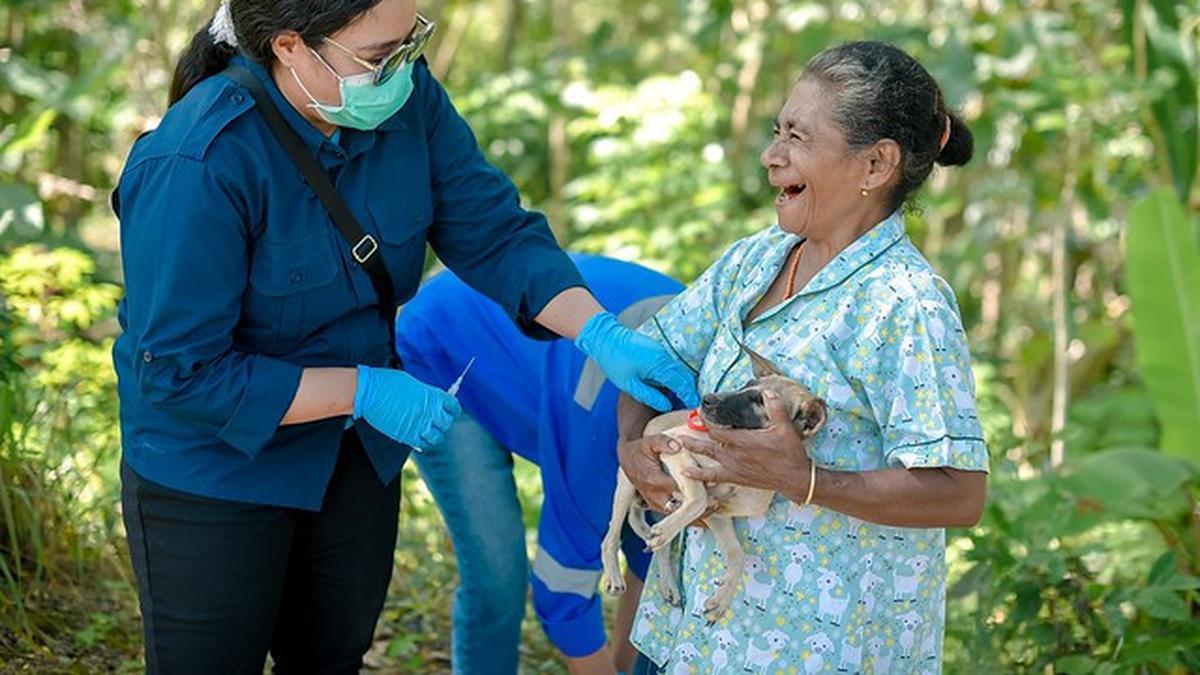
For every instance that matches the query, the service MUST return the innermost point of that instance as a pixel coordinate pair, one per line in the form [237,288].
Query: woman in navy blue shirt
[263,428]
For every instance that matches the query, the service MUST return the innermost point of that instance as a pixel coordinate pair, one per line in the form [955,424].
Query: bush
[1092,570]
[58,438]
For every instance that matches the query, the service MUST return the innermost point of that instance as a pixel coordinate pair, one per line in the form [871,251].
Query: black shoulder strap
[363,246]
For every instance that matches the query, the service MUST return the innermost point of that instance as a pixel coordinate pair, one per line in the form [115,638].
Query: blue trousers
[471,479]
[220,583]
[470,476]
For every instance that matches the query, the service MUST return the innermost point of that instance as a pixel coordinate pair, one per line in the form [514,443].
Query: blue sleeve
[480,230]
[185,256]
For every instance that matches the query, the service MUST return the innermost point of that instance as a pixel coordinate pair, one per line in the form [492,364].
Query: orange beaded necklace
[791,280]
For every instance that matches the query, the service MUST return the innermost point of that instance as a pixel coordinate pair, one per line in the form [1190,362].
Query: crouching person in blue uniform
[253,329]
[551,404]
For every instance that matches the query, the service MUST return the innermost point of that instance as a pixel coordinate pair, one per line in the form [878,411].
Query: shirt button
[237,97]
[147,357]
[296,276]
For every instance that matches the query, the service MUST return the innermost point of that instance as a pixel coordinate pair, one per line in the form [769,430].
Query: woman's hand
[402,407]
[772,458]
[639,459]
[635,363]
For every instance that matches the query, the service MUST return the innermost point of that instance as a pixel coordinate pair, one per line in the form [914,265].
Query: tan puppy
[740,409]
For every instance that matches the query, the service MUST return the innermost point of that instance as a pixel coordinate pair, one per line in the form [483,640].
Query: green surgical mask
[365,105]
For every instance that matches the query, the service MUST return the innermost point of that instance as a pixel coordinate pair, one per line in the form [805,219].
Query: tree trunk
[560,165]
[562,20]
[516,18]
[748,27]
[456,28]
[1060,278]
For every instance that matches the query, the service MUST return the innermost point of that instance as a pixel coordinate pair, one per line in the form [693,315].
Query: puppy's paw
[715,608]
[661,536]
[669,592]
[712,617]
[613,584]
[659,540]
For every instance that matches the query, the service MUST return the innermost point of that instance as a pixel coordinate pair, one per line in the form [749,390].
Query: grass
[79,627]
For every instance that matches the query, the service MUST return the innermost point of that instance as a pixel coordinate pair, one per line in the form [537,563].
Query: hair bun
[960,146]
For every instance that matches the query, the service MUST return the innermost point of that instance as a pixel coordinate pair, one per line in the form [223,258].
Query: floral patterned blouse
[877,334]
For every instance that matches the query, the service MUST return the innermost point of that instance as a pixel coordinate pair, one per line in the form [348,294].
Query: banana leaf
[1163,278]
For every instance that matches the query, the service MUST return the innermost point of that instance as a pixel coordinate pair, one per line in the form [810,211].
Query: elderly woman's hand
[639,459]
[771,458]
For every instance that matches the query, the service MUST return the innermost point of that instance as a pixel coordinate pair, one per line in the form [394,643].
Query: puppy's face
[744,409]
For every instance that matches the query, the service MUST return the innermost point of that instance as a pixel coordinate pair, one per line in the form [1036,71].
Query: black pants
[223,582]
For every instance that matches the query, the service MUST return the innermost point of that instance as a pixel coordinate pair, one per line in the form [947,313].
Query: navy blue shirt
[236,279]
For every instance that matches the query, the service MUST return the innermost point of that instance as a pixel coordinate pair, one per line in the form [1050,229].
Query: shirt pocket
[403,231]
[292,289]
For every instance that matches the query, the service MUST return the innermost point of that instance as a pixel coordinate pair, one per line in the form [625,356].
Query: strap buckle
[364,249]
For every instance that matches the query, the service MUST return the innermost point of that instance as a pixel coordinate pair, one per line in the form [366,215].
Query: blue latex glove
[402,407]
[635,363]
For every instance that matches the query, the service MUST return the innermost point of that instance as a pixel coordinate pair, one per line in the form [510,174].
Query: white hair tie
[221,28]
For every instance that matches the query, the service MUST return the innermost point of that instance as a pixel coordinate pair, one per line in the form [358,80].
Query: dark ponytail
[202,58]
[256,23]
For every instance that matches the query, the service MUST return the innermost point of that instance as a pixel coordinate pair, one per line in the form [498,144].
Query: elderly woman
[847,569]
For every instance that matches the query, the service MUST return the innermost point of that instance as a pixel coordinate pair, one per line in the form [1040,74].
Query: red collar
[695,423]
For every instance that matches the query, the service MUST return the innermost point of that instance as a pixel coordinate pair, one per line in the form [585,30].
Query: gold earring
[865,192]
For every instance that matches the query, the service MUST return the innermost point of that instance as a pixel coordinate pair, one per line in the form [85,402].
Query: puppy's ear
[759,364]
[811,417]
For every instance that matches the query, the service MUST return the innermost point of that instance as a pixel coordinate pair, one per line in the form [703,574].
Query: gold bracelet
[812,482]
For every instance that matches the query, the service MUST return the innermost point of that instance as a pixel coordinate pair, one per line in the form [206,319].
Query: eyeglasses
[406,52]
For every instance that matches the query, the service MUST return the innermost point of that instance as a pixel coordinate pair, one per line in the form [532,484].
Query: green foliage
[57,406]
[686,197]
[1162,54]
[1080,572]
[1164,283]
